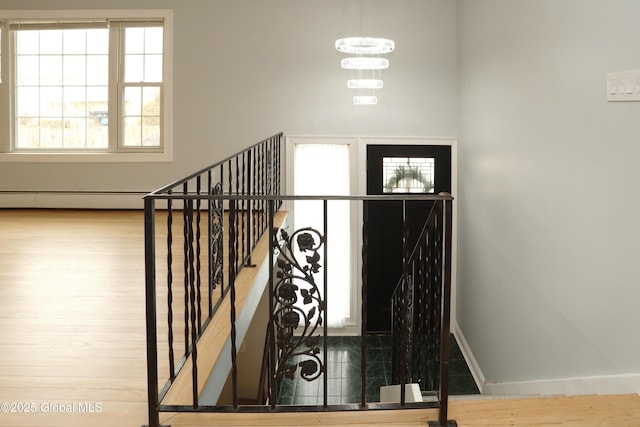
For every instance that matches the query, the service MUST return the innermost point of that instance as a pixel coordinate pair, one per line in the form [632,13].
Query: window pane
[74,70]
[74,133]
[50,41]
[153,40]
[50,133]
[28,104]
[408,174]
[75,101]
[143,54]
[51,101]
[98,100]
[28,70]
[98,69]
[151,101]
[74,42]
[50,69]
[134,68]
[132,132]
[153,68]
[97,135]
[133,101]
[134,40]
[28,133]
[61,90]
[28,42]
[151,131]
[98,42]
[142,116]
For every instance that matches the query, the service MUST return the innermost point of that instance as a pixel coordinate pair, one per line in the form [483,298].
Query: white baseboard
[610,384]
[607,384]
[54,200]
[476,372]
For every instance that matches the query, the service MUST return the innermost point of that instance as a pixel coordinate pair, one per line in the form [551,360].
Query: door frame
[359,184]
[365,141]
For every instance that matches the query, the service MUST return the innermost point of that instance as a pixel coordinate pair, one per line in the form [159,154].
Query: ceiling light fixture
[366,55]
[365,45]
[365,100]
[365,63]
[364,84]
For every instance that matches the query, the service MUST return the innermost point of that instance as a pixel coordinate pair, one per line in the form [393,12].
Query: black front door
[397,169]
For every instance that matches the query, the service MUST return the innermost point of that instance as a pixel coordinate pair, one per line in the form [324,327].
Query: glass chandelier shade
[365,100]
[364,84]
[365,63]
[365,45]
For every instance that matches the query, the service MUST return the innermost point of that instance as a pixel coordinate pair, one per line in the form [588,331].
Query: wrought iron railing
[185,219]
[420,307]
[190,273]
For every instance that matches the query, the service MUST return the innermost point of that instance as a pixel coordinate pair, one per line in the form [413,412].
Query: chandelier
[366,62]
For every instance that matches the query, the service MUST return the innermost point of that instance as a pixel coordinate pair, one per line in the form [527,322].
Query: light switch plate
[623,86]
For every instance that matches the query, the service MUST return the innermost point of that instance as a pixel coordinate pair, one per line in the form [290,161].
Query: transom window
[85,84]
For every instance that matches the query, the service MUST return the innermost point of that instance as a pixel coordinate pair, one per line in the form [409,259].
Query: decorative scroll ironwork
[216,241]
[297,303]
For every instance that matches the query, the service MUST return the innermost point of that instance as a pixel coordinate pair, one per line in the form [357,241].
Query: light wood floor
[72,334]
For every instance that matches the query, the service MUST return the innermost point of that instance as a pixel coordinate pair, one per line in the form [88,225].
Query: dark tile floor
[343,373]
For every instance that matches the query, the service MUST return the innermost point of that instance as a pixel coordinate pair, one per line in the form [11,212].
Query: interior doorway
[397,169]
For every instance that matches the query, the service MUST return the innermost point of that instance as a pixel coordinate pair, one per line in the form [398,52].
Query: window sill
[85,157]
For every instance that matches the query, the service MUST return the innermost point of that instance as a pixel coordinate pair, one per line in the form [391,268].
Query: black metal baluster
[269,167]
[232,295]
[172,367]
[446,303]
[273,390]
[437,290]
[237,233]
[249,212]
[150,305]
[185,232]
[276,175]
[363,331]
[192,302]
[221,250]
[261,186]
[254,202]
[243,210]
[210,242]
[326,304]
[419,307]
[198,255]
[229,235]
[433,301]
[405,292]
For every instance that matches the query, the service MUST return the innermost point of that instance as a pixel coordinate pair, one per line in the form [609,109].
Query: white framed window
[89,85]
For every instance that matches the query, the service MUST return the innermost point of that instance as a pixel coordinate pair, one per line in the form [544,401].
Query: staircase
[216,242]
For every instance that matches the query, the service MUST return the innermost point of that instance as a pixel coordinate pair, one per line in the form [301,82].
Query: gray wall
[548,212]
[246,69]
[548,284]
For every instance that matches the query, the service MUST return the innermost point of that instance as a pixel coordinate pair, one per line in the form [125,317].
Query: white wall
[246,69]
[548,284]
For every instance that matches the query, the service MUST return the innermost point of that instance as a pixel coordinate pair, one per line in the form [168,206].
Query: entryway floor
[344,379]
